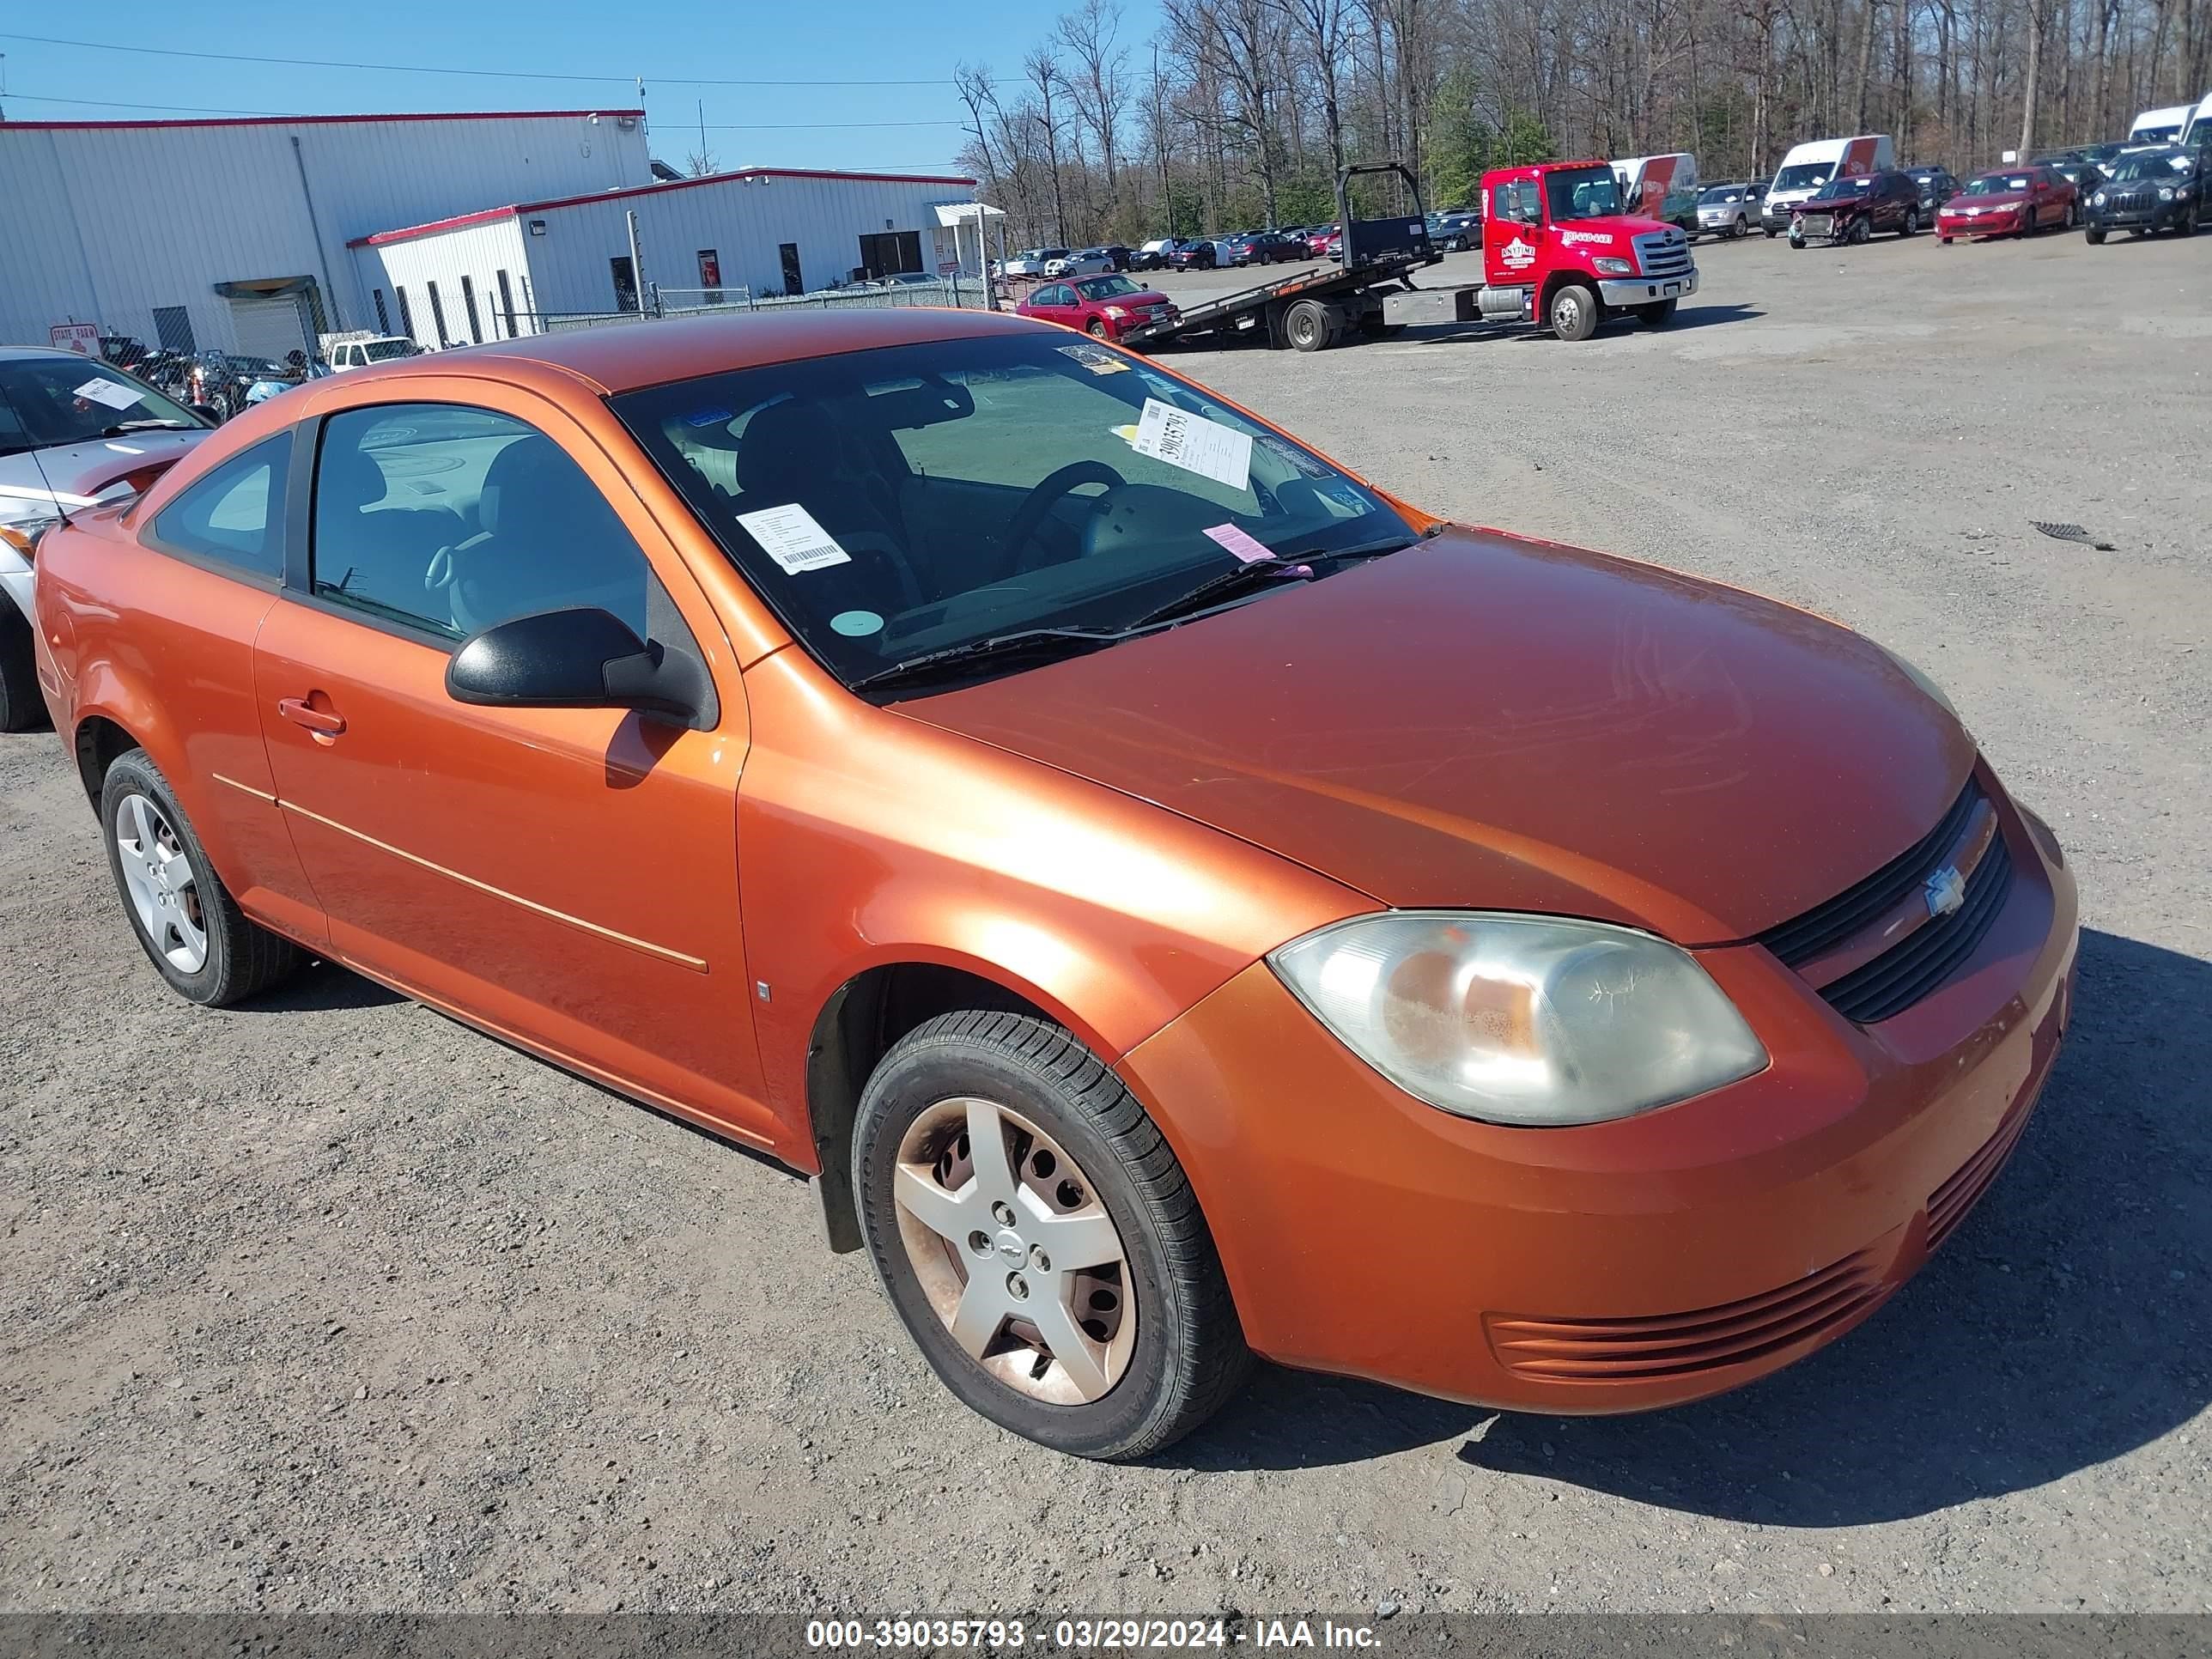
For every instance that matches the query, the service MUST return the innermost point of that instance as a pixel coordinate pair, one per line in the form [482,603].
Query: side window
[235,515]
[449,518]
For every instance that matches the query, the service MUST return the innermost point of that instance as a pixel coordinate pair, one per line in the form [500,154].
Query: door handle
[300,712]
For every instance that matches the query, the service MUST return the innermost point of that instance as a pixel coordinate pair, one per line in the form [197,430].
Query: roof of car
[622,357]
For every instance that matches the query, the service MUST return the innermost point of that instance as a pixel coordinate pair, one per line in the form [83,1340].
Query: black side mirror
[580,659]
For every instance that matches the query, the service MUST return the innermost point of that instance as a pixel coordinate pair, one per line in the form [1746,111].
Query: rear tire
[1574,311]
[1037,1082]
[21,708]
[190,908]
[1308,326]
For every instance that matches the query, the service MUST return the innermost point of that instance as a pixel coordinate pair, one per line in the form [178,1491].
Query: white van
[1808,166]
[2162,126]
[1663,187]
[2198,133]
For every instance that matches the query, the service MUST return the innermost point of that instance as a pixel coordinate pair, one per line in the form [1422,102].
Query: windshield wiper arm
[1227,583]
[934,665]
[123,426]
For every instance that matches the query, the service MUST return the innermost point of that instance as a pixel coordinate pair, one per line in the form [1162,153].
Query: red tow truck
[1558,248]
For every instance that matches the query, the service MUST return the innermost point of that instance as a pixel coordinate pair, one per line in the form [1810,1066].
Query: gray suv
[74,432]
[1729,211]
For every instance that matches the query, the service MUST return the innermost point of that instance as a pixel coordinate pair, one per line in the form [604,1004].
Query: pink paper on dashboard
[1243,546]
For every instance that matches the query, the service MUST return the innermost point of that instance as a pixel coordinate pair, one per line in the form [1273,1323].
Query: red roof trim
[489,213]
[314,120]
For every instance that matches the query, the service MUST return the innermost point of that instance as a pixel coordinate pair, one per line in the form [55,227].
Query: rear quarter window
[234,516]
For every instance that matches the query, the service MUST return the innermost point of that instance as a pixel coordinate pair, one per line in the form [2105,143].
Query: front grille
[1654,1348]
[1825,926]
[1819,224]
[1925,957]
[1948,1206]
[2132,201]
[1663,253]
[1922,959]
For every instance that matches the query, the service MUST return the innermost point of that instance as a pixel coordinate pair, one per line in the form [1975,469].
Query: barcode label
[1195,444]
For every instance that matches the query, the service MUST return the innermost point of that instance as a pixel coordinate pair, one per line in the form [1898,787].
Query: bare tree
[1099,85]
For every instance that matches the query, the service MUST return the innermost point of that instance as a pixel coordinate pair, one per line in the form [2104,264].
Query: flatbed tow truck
[1557,250]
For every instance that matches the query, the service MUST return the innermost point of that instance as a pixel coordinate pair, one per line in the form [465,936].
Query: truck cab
[1559,246]
[361,351]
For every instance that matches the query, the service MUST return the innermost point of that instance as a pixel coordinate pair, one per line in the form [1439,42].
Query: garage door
[270,328]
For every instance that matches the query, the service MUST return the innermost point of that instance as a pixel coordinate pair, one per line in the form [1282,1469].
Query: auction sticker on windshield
[790,536]
[110,392]
[1193,443]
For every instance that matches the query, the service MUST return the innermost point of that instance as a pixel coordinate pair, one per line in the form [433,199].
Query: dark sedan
[2150,191]
[1191,256]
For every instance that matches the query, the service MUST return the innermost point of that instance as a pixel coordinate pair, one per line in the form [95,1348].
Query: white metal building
[486,274]
[233,234]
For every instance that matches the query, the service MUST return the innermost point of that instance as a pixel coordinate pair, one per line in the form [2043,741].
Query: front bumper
[1623,1266]
[2005,223]
[2154,218]
[1626,291]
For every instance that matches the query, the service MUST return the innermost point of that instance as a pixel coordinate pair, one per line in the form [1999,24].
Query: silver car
[1729,211]
[74,432]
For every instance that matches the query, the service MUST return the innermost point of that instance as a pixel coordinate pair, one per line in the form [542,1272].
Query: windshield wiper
[1227,584]
[937,665]
[122,428]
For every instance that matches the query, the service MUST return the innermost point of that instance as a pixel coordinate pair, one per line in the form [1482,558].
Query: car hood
[1960,204]
[76,472]
[1484,721]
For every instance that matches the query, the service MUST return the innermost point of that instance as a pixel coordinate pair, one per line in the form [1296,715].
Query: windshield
[1583,193]
[1804,176]
[1720,193]
[1857,185]
[892,503]
[1106,287]
[1997,183]
[49,401]
[2160,164]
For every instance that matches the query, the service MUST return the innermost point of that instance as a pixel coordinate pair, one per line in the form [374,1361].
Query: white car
[74,432]
[1091,262]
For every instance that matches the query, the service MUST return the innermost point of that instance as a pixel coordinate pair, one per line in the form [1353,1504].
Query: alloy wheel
[164,888]
[1014,1251]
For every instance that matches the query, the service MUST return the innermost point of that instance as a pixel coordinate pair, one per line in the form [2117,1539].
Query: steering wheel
[1049,488]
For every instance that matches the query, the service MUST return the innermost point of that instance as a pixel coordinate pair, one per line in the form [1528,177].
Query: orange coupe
[1175,900]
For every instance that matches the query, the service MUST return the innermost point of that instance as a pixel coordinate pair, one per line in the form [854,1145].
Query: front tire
[1911,226]
[1574,311]
[1095,328]
[1038,1239]
[2095,236]
[1658,314]
[21,708]
[185,918]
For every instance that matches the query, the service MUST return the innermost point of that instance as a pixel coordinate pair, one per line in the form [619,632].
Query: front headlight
[1609,267]
[2098,200]
[1116,312]
[1520,1019]
[2166,192]
[20,535]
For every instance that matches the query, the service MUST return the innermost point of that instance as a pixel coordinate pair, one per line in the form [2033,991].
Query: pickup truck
[374,349]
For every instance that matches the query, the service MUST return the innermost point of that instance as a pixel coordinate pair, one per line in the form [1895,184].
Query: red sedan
[1102,306]
[2017,201]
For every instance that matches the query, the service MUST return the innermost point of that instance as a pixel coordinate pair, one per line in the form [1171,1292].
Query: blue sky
[593,50]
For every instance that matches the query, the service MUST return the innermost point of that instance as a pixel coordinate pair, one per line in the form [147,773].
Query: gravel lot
[331,1304]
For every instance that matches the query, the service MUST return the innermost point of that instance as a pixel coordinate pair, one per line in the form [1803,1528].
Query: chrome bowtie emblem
[1946,891]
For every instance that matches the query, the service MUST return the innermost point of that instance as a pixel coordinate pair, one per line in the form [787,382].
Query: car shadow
[2068,1321]
[321,987]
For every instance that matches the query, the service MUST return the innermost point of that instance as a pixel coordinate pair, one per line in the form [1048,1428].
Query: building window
[469,300]
[507,304]
[625,277]
[438,313]
[793,282]
[406,312]
[383,317]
